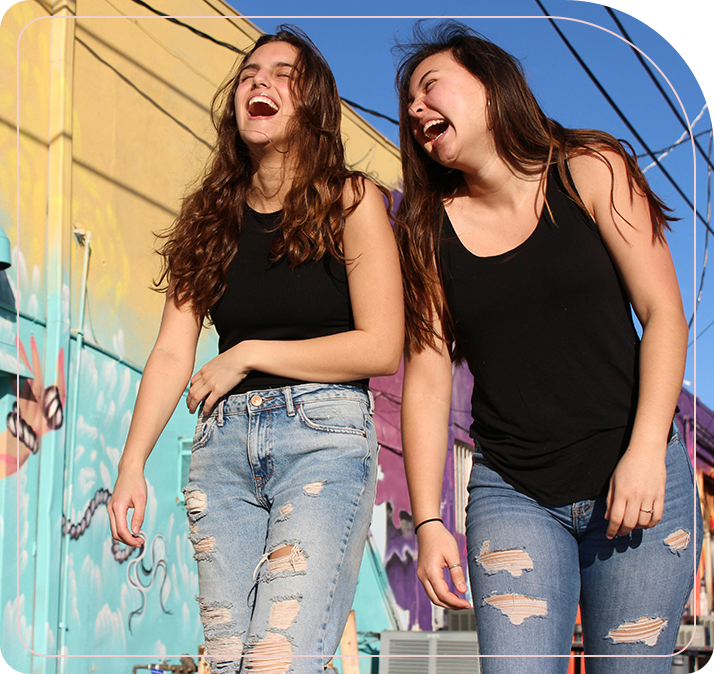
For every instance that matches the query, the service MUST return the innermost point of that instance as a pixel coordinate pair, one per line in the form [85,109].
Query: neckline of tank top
[268,216]
[530,237]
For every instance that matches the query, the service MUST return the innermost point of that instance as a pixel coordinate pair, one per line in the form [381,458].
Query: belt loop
[220,411]
[288,393]
[371,401]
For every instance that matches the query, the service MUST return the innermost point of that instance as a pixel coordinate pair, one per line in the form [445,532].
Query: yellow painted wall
[33,143]
[140,136]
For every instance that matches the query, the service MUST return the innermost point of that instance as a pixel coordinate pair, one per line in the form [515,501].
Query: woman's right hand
[438,550]
[129,492]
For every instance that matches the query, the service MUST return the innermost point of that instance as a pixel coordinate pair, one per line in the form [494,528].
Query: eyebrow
[427,73]
[274,64]
[410,98]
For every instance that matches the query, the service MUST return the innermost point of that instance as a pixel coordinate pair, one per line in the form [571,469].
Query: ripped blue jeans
[531,564]
[279,500]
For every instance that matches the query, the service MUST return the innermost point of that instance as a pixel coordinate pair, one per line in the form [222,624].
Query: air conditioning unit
[429,653]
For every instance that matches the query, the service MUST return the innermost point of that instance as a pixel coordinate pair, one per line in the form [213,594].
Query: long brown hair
[205,236]
[525,138]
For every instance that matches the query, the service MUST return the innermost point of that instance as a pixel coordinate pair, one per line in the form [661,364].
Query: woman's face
[263,99]
[447,111]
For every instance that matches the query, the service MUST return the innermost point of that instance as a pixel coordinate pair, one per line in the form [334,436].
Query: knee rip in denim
[645,629]
[285,559]
[517,607]
[677,541]
[271,654]
[224,646]
[513,560]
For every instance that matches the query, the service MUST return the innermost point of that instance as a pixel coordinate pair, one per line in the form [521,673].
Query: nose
[416,107]
[260,79]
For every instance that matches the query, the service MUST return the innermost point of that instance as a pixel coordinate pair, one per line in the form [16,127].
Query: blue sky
[359,52]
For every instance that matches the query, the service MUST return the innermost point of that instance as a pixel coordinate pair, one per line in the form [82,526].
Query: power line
[195,31]
[371,112]
[622,115]
[657,84]
[235,49]
[679,142]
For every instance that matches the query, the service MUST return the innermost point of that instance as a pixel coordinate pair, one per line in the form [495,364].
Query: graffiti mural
[36,411]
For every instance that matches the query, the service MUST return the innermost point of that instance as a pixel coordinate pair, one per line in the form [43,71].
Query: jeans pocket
[202,434]
[333,416]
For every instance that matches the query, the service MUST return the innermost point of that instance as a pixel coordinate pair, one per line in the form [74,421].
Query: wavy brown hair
[525,138]
[204,238]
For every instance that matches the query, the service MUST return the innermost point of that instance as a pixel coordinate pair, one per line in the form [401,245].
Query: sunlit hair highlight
[525,138]
[205,236]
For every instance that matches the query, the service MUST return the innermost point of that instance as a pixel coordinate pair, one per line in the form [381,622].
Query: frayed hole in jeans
[518,607]
[646,630]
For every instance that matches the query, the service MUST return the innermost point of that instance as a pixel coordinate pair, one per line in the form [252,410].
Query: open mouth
[434,128]
[262,106]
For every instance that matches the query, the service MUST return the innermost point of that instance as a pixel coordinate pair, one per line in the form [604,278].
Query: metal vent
[421,645]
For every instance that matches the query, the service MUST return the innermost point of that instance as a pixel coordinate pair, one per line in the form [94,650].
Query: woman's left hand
[636,496]
[217,377]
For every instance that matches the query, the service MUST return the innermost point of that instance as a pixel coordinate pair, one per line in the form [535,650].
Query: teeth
[431,123]
[262,99]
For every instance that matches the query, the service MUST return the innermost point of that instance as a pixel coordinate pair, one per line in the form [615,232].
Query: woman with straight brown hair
[280,247]
[524,247]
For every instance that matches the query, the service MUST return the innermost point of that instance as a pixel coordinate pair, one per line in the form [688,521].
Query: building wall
[113,127]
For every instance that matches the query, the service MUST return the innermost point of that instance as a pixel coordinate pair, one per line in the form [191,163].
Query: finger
[430,593]
[195,395]
[446,597]
[645,518]
[457,576]
[123,533]
[137,518]
[616,513]
[112,523]
[658,512]
[629,519]
[208,403]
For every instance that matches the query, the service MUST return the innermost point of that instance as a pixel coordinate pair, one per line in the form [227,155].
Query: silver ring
[651,512]
[453,566]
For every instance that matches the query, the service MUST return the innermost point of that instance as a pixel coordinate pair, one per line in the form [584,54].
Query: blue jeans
[531,564]
[289,470]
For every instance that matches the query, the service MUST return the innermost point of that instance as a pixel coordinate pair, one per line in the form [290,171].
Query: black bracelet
[433,519]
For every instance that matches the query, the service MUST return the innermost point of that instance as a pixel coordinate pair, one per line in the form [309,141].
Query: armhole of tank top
[589,220]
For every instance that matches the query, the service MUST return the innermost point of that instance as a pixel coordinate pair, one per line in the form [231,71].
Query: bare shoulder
[596,174]
[361,191]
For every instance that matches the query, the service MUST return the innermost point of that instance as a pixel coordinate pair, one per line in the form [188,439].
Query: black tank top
[547,332]
[271,301]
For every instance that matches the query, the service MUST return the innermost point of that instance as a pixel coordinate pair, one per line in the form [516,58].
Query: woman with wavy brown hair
[280,247]
[524,246]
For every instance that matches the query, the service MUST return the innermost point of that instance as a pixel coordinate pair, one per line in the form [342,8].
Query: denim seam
[302,415]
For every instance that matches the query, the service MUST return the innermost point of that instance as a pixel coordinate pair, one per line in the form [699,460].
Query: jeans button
[255,401]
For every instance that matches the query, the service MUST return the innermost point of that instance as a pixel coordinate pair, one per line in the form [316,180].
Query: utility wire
[195,31]
[622,115]
[371,112]
[667,150]
[658,85]
[684,137]
[235,49]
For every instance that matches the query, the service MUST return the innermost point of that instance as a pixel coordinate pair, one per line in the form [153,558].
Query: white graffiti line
[158,563]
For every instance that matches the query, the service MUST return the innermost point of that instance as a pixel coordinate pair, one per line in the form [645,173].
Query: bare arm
[373,348]
[165,377]
[426,402]
[647,270]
